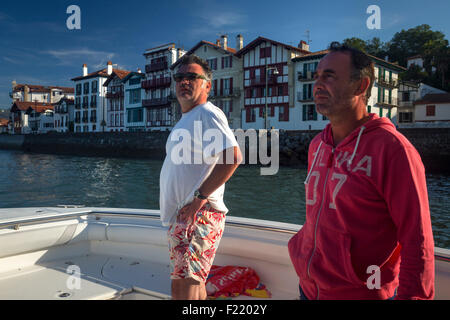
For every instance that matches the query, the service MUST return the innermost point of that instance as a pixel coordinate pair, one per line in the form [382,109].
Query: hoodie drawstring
[356,146]
[314,162]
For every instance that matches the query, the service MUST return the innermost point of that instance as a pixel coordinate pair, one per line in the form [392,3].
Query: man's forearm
[221,173]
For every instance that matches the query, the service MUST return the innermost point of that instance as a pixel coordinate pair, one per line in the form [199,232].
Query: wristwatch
[198,195]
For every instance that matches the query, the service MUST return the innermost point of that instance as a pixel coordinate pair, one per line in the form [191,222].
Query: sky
[37,47]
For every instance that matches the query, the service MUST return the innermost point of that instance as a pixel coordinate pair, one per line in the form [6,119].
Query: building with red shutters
[263,57]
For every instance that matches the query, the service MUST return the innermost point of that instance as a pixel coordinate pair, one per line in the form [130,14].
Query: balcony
[114,95]
[156,83]
[148,103]
[156,67]
[159,123]
[309,76]
[392,83]
[227,92]
[261,81]
[389,103]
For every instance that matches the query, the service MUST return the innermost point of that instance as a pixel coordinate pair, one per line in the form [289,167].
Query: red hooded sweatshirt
[368,228]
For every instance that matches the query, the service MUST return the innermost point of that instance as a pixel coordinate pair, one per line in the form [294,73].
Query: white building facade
[227,83]
[135,115]
[63,115]
[159,99]
[264,56]
[90,101]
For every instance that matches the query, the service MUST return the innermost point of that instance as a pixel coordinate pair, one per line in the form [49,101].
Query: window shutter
[304,113]
[231,61]
[223,62]
[215,87]
[305,68]
[221,87]
[272,111]
[261,114]
[286,113]
[390,96]
[305,88]
[314,113]
[231,106]
[231,85]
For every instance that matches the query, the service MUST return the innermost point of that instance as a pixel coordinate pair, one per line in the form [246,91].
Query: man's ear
[363,86]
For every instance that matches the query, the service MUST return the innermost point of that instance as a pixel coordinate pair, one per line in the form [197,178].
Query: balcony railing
[113,95]
[227,92]
[158,123]
[386,102]
[261,81]
[155,83]
[392,83]
[156,67]
[155,102]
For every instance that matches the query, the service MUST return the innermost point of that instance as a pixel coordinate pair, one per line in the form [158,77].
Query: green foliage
[421,40]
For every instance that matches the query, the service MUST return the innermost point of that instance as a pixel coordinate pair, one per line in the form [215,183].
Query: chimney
[239,42]
[218,42]
[26,94]
[139,70]
[110,68]
[85,70]
[303,45]
[225,42]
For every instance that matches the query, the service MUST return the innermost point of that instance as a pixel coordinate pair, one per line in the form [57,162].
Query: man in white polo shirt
[201,155]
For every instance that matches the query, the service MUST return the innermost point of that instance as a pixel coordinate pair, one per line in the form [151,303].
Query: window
[309,112]
[307,91]
[212,63]
[265,52]
[405,116]
[431,111]
[283,113]
[226,62]
[135,96]
[86,88]
[78,89]
[94,86]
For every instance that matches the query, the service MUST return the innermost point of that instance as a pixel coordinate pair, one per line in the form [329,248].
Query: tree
[407,43]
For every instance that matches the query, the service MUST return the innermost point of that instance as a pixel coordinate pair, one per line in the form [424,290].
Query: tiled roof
[4,122]
[37,106]
[121,74]
[203,42]
[434,98]
[258,40]
[99,73]
[39,88]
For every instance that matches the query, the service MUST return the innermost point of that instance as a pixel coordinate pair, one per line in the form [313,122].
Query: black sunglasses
[191,76]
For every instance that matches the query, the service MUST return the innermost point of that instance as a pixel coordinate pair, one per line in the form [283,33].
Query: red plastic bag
[231,281]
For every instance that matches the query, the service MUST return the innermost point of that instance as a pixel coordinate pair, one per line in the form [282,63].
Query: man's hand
[187,213]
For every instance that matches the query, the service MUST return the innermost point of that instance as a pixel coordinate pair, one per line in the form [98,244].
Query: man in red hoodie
[367,233]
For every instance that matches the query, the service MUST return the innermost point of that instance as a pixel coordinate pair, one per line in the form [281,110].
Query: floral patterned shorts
[192,247]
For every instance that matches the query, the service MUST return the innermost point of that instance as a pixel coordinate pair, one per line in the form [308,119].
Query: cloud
[67,56]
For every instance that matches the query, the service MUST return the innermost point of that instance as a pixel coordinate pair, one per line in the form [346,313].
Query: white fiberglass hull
[107,253]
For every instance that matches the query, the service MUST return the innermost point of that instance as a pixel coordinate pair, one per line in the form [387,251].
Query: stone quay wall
[433,144]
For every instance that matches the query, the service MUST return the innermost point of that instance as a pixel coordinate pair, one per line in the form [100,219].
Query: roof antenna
[307,34]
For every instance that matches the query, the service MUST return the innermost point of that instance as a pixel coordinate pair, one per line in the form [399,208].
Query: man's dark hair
[191,59]
[362,65]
